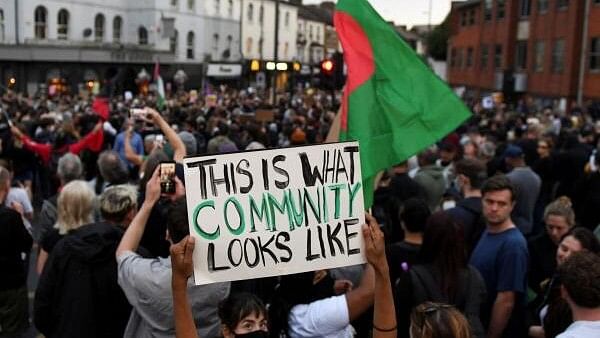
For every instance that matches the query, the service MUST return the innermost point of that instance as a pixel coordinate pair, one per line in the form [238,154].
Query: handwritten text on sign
[273,212]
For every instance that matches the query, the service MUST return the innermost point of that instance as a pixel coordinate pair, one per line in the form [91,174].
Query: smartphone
[167,177]
[137,113]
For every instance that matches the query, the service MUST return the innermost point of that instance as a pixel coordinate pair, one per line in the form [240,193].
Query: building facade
[75,42]
[258,29]
[526,49]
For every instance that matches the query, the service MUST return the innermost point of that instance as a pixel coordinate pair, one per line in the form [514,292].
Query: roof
[407,35]
[315,13]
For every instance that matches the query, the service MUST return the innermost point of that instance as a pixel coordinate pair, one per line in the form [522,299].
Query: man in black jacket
[78,294]
[15,242]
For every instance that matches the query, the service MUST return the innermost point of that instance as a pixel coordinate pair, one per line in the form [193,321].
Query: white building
[311,35]
[82,39]
[258,29]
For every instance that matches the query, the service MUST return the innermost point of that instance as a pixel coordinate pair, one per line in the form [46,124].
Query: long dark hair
[444,248]
[586,238]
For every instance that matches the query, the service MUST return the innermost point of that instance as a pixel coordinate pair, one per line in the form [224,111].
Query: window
[230,8]
[117,27]
[469,56]
[521,55]
[250,12]
[142,35]
[190,45]
[248,46]
[261,14]
[215,42]
[542,6]
[484,56]
[562,4]
[41,22]
[472,17]
[217,7]
[524,8]
[1,25]
[174,3]
[487,10]
[191,5]
[260,46]
[318,35]
[558,55]
[310,32]
[62,31]
[286,47]
[174,42]
[538,62]
[286,22]
[99,28]
[453,57]
[463,18]
[500,9]
[459,58]
[595,54]
[498,57]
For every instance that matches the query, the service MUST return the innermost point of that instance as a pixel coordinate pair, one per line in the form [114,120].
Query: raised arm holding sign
[275,212]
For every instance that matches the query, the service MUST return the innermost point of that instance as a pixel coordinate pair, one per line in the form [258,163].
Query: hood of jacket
[94,242]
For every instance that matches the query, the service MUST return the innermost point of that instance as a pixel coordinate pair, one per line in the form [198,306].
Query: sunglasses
[425,310]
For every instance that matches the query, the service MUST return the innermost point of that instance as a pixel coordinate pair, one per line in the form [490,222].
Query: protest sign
[274,212]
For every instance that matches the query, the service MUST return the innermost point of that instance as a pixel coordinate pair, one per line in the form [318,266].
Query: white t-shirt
[327,318]
[582,329]
[20,195]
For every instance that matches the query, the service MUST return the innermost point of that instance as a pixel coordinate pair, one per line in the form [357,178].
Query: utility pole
[584,43]
[275,54]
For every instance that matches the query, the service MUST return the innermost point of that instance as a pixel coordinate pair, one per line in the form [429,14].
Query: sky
[408,12]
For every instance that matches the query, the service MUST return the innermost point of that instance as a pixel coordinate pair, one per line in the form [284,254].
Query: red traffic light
[327,67]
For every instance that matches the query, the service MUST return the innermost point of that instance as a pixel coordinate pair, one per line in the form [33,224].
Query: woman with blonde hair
[76,205]
[559,218]
[438,320]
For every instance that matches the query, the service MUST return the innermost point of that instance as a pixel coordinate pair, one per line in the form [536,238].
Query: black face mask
[323,289]
[253,334]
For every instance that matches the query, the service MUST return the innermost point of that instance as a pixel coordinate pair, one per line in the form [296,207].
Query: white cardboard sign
[275,212]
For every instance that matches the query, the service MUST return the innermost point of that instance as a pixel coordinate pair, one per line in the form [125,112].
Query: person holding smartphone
[152,116]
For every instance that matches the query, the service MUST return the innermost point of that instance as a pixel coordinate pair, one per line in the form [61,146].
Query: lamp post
[275,54]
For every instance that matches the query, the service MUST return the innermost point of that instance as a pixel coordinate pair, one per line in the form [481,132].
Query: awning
[224,70]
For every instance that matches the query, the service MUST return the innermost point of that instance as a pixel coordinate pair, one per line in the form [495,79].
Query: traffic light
[327,67]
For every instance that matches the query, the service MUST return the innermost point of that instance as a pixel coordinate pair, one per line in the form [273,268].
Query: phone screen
[167,177]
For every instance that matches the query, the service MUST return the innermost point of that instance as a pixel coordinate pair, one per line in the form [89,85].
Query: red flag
[100,106]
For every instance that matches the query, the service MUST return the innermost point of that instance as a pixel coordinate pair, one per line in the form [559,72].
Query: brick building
[525,48]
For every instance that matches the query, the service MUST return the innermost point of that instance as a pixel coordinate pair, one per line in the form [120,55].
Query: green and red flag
[393,104]
[160,87]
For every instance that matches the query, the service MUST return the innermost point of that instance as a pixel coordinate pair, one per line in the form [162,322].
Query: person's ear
[226,332]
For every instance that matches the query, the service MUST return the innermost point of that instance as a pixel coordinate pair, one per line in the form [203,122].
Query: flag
[100,106]
[160,88]
[393,104]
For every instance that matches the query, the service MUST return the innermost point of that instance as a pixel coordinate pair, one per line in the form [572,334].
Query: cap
[513,151]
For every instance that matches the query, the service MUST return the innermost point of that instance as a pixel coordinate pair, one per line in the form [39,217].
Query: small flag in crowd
[160,87]
[393,104]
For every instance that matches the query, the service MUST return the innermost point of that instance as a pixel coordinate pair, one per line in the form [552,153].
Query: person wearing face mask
[553,314]
[470,175]
[243,315]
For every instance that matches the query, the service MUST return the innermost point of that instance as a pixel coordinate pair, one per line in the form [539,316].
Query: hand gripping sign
[275,212]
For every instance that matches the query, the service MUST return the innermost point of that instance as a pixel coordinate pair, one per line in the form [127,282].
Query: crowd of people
[487,233]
